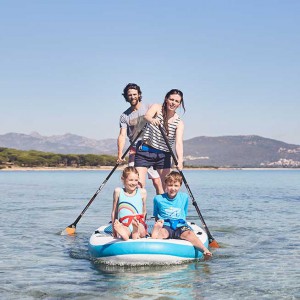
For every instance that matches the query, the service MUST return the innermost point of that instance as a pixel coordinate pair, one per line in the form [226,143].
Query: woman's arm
[151,114]
[179,144]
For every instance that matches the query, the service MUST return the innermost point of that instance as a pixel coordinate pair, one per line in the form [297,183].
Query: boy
[170,211]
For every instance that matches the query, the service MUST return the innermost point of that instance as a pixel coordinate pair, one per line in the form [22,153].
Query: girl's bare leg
[121,230]
[142,230]
[135,229]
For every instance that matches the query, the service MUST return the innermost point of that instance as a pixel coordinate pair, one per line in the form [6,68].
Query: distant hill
[240,151]
[63,144]
[223,151]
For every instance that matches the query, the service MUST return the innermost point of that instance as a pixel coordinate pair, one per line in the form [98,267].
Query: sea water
[252,214]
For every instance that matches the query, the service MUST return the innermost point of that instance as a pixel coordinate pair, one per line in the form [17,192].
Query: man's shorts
[147,159]
[175,234]
[152,174]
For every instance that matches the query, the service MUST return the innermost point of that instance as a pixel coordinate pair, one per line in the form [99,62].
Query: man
[131,123]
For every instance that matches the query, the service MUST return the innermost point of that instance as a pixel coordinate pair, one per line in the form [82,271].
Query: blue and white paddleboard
[145,251]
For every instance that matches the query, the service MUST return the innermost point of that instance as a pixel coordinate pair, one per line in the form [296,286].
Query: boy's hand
[207,254]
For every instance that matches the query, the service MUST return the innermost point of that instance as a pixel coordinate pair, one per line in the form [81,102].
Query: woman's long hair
[164,106]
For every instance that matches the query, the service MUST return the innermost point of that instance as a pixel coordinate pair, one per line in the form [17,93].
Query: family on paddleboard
[152,131]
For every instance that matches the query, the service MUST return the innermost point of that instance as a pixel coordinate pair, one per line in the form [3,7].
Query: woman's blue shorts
[147,156]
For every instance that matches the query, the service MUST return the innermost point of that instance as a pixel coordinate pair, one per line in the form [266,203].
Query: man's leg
[163,173]
[153,174]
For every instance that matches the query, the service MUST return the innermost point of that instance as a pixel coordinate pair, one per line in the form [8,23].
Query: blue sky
[64,64]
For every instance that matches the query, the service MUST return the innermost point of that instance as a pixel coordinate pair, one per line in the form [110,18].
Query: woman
[153,150]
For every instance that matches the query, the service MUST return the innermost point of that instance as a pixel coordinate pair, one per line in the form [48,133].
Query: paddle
[212,242]
[70,230]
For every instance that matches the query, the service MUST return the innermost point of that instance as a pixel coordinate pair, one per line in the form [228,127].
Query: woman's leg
[142,174]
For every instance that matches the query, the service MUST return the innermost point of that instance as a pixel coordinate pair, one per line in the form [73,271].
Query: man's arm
[121,143]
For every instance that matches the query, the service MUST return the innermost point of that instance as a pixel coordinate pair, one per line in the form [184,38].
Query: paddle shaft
[106,179]
[210,237]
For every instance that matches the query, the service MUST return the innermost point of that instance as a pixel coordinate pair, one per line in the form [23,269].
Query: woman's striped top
[154,138]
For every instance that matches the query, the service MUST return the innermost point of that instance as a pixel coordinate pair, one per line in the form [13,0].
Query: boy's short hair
[173,177]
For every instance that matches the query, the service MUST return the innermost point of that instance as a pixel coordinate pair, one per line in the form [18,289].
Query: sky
[64,64]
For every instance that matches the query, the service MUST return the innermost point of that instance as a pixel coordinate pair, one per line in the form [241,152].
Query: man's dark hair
[134,87]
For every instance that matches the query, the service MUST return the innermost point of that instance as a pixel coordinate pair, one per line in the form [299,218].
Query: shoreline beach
[107,168]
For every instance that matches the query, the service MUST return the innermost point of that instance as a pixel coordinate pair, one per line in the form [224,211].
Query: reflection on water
[154,282]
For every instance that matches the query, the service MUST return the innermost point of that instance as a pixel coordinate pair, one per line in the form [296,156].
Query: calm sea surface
[254,216]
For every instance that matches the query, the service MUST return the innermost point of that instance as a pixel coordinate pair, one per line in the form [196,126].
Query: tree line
[34,158]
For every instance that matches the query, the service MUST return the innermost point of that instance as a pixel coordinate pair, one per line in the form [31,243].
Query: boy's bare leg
[158,231]
[121,230]
[192,238]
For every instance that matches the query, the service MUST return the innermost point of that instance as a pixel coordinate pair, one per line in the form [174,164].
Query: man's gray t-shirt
[134,120]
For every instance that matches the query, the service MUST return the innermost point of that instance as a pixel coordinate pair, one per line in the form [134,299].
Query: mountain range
[223,151]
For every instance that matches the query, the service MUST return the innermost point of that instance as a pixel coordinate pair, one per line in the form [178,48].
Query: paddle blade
[214,244]
[70,230]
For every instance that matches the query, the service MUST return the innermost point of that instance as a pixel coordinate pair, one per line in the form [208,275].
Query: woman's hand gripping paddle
[70,230]
[212,242]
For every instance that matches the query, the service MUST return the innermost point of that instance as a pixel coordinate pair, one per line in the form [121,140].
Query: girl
[153,151]
[129,207]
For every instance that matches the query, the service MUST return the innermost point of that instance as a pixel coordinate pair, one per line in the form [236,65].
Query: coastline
[107,168]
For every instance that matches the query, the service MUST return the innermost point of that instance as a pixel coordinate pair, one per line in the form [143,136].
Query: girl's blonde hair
[129,170]
[173,177]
